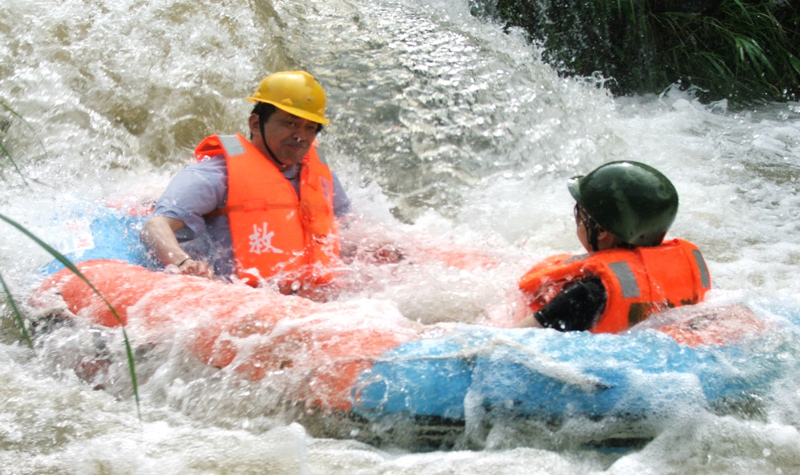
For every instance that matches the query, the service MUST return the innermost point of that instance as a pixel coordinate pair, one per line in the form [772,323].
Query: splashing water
[444,129]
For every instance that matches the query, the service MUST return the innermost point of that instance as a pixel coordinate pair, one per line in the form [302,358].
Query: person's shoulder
[211,171]
[216,165]
[211,162]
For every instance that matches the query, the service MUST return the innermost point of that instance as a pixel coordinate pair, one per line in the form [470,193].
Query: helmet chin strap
[593,230]
[269,150]
[593,241]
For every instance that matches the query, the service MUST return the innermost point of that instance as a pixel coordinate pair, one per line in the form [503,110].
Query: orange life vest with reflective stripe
[272,229]
[638,281]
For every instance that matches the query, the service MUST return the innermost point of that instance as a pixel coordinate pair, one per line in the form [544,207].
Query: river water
[444,129]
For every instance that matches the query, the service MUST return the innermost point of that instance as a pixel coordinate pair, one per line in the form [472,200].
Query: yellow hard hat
[295,92]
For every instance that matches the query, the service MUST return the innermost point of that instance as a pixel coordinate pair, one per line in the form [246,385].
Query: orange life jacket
[272,229]
[638,281]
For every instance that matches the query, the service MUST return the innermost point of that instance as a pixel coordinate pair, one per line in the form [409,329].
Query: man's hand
[199,268]
[158,236]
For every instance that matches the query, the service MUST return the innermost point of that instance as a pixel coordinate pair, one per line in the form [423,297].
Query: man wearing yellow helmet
[622,212]
[256,208]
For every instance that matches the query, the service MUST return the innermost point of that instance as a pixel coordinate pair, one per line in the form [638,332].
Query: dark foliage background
[741,50]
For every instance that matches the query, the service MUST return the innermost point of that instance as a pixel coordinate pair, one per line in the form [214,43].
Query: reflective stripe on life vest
[627,281]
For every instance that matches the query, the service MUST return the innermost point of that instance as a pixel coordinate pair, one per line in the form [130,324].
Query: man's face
[288,136]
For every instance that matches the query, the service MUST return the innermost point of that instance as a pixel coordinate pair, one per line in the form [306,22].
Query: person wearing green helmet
[622,212]
[250,209]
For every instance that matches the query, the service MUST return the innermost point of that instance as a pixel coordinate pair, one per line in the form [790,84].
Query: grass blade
[17,314]
[27,124]
[16,167]
[69,265]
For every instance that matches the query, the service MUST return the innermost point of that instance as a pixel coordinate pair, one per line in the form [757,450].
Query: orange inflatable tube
[255,330]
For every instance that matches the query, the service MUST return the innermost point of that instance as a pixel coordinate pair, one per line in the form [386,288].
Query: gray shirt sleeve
[194,192]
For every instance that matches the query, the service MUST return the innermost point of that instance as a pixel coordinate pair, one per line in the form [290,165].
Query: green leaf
[17,314]
[69,265]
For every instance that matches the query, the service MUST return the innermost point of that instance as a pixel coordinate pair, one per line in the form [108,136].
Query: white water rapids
[444,128]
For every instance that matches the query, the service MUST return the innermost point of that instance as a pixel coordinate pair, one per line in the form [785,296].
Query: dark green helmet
[631,200]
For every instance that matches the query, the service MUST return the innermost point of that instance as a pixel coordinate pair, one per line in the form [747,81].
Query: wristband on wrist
[183,261]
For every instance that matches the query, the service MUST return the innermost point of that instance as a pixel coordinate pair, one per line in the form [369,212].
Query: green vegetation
[4,126]
[17,314]
[66,262]
[741,50]
[69,265]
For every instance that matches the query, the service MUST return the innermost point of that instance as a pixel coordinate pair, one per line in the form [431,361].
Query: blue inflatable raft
[374,368]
